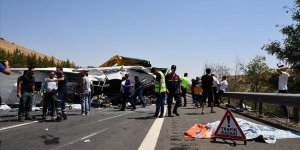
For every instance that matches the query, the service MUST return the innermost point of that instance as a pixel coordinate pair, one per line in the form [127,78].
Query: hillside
[12,46]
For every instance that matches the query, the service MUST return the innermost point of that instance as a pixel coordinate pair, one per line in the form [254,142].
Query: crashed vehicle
[8,84]
[106,82]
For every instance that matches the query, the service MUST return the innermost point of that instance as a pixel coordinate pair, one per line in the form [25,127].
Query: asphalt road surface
[110,129]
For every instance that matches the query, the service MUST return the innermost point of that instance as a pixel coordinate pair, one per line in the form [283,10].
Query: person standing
[173,90]
[192,89]
[25,87]
[223,87]
[84,92]
[207,83]
[160,92]
[214,87]
[138,91]
[60,104]
[91,91]
[184,83]
[283,78]
[50,91]
[4,67]
[127,95]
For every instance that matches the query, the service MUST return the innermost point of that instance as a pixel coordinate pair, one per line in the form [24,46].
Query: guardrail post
[296,115]
[241,104]
[260,107]
[228,98]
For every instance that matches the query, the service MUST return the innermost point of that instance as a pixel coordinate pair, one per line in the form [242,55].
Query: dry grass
[12,46]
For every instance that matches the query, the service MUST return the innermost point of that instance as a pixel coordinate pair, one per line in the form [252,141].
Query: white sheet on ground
[4,107]
[253,130]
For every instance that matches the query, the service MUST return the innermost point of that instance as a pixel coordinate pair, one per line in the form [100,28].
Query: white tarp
[4,107]
[253,130]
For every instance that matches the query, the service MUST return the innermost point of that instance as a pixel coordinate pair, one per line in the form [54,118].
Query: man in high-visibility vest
[184,83]
[173,90]
[160,91]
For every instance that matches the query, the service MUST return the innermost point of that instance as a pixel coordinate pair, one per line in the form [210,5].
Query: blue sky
[188,33]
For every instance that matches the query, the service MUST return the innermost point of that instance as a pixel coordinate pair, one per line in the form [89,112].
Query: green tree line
[17,59]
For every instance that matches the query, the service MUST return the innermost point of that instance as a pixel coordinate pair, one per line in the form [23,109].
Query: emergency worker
[160,91]
[173,91]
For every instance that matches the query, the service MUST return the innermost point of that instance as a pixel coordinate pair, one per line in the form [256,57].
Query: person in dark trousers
[138,91]
[192,89]
[173,91]
[223,87]
[127,95]
[214,87]
[160,92]
[50,91]
[184,83]
[207,82]
[283,77]
[197,90]
[60,104]
[25,87]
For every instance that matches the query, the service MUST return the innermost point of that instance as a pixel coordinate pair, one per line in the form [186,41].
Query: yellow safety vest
[163,85]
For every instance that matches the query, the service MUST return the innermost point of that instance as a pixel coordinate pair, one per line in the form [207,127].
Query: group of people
[128,95]
[206,87]
[175,87]
[55,94]
[170,85]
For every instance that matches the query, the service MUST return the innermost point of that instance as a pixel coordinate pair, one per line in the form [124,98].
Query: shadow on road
[50,139]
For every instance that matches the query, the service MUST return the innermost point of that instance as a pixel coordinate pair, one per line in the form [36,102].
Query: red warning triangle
[229,128]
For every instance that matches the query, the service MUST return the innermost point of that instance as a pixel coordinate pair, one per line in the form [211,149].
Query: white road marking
[113,117]
[151,138]
[14,126]
[90,135]
[79,139]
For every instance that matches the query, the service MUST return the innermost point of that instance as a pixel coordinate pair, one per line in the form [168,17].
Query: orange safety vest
[198,89]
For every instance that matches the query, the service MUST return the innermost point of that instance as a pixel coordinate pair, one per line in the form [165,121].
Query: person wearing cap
[127,95]
[283,78]
[160,91]
[173,91]
[184,83]
[207,83]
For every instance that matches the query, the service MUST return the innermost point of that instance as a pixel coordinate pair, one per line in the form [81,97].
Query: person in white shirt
[91,91]
[223,87]
[50,90]
[283,77]
[214,87]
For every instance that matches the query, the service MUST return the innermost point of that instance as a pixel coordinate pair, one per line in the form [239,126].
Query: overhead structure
[125,61]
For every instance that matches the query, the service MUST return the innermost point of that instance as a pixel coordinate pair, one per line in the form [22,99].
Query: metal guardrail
[292,100]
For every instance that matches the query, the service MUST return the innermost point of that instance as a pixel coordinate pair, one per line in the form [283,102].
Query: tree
[289,50]
[257,74]
[218,70]
[236,81]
